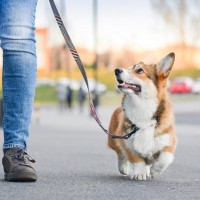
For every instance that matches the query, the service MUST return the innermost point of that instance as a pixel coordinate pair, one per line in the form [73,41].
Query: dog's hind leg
[164,160]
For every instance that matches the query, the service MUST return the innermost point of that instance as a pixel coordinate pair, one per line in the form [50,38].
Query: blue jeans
[17,18]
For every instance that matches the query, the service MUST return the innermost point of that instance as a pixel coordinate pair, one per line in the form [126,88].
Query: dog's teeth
[133,86]
[128,86]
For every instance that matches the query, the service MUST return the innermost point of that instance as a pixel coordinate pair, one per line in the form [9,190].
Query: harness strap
[82,70]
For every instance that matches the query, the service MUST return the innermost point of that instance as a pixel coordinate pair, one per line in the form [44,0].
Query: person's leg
[19,69]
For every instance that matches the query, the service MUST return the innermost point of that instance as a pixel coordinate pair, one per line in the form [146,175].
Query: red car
[181,85]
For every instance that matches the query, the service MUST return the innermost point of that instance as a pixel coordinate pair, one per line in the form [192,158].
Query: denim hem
[8,146]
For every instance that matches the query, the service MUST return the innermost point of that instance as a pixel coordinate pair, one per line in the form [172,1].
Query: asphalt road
[73,161]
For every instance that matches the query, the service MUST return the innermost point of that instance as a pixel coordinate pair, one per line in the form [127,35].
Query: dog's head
[145,80]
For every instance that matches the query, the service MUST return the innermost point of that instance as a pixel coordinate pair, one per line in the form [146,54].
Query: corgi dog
[146,105]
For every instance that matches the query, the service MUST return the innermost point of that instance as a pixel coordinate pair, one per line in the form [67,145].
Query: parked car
[182,85]
[196,86]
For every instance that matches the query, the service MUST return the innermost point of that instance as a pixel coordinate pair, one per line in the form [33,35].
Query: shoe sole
[21,177]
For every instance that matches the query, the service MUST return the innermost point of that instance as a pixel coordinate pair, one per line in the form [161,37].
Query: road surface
[73,161]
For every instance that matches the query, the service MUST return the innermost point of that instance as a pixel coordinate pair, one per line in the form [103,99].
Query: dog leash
[82,70]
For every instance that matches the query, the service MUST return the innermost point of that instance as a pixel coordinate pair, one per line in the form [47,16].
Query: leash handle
[82,69]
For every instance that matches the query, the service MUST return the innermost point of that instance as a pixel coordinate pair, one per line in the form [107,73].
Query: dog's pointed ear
[165,65]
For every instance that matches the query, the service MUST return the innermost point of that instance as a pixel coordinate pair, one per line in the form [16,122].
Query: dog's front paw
[138,171]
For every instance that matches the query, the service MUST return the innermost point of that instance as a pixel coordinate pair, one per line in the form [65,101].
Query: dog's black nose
[118,71]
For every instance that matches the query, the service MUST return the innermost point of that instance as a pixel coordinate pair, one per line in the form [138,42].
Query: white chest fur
[140,111]
[145,144]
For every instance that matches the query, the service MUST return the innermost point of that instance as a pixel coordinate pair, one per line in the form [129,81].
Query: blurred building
[187,57]
[43,51]
[55,57]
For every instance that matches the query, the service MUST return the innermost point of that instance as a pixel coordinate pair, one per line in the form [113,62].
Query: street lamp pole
[64,14]
[95,64]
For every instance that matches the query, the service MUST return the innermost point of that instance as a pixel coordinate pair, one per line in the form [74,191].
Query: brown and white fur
[149,151]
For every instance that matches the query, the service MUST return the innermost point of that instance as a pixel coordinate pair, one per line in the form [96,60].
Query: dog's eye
[139,71]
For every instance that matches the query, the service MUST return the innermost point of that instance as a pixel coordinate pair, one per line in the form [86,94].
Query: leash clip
[127,135]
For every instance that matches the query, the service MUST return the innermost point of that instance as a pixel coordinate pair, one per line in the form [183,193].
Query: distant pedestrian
[61,97]
[37,110]
[95,98]
[81,98]
[69,97]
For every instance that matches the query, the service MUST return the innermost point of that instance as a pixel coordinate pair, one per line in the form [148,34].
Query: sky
[121,24]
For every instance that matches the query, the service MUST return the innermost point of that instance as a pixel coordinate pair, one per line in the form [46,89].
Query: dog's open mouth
[123,84]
